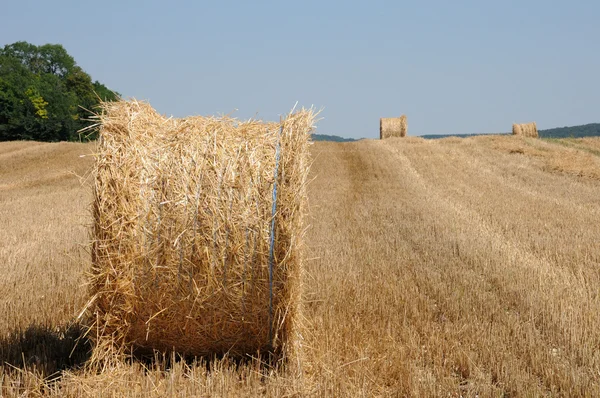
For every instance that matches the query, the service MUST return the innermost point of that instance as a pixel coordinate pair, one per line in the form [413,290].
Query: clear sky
[450,66]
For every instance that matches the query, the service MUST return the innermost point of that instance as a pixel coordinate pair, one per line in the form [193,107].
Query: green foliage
[104,93]
[38,102]
[44,94]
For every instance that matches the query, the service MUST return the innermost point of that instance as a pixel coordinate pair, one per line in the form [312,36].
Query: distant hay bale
[182,232]
[393,127]
[525,129]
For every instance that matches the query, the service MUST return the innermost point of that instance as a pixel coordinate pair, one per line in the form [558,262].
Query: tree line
[585,130]
[44,94]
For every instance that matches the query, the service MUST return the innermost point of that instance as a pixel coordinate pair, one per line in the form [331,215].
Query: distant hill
[439,136]
[335,138]
[586,130]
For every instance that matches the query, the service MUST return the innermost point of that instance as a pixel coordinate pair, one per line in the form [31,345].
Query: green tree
[55,60]
[44,94]
[14,81]
[104,93]
[49,58]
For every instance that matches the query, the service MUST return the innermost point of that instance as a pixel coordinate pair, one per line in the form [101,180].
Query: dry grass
[588,144]
[393,127]
[437,268]
[43,232]
[577,157]
[525,130]
[183,218]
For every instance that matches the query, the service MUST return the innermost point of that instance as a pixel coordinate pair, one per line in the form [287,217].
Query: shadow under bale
[44,349]
[164,361]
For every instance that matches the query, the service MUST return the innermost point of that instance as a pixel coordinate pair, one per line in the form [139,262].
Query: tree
[49,58]
[55,60]
[44,94]
[104,93]
[14,78]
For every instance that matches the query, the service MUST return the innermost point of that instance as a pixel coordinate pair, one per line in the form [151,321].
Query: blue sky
[451,67]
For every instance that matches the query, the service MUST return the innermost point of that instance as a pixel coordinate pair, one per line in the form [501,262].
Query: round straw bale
[525,129]
[393,127]
[182,232]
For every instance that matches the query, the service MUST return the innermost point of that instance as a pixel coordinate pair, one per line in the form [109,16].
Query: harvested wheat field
[454,267]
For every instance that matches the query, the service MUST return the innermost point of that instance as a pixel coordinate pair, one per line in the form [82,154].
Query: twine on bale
[272,243]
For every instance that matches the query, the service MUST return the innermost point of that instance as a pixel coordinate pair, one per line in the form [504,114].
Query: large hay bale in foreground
[393,127]
[525,129]
[182,234]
